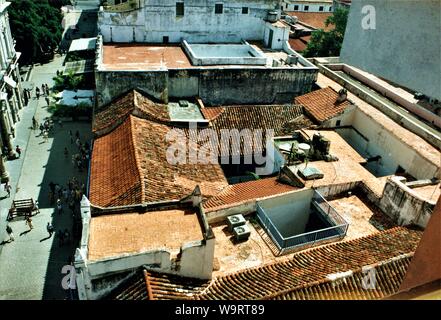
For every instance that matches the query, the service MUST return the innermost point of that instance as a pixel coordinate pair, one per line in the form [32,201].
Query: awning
[10,81]
[83,44]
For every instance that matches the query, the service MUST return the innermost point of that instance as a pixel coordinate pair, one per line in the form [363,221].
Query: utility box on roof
[235,221]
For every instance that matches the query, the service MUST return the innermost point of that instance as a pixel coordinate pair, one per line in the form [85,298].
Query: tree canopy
[36,26]
[328,43]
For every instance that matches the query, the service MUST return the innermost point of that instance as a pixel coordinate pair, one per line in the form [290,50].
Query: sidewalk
[30,267]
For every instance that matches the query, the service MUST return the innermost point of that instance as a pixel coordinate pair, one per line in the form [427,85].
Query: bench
[23,208]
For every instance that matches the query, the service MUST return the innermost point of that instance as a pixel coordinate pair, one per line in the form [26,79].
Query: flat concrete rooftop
[140,57]
[130,233]
[143,57]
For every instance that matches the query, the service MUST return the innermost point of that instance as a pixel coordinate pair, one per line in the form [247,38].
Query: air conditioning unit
[242,232]
[235,221]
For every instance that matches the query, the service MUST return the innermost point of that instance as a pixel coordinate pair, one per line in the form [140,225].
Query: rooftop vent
[183,103]
[235,221]
[292,59]
[242,233]
[272,16]
[342,95]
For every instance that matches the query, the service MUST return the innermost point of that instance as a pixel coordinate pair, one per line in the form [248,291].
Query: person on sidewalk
[45,136]
[50,229]
[37,93]
[59,206]
[10,233]
[34,123]
[18,150]
[29,223]
[48,102]
[8,189]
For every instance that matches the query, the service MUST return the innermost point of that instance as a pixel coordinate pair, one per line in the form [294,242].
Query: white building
[163,21]
[308,5]
[11,98]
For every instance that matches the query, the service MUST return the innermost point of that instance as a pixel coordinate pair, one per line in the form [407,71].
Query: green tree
[36,27]
[328,43]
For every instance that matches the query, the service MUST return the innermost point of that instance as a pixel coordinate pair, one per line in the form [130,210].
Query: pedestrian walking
[34,123]
[65,195]
[72,205]
[10,233]
[66,152]
[37,93]
[45,136]
[43,89]
[78,142]
[47,89]
[18,150]
[47,101]
[8,189]
[71,136]
[60,235]
[59,206]
[50,229]
[67,236]
[41,129]
[29,223]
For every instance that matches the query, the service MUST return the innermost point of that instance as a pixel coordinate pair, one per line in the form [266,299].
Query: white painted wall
[304,6]
[157,19]
[393,151]
[289,213]
[280,36]
[197,259]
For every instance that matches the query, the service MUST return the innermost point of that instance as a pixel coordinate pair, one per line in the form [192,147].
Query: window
[165,39]
[179,9]
[338,123]
[244,10]
[218,8]
[330,9]
[296,7]
[321,8]
[306,8]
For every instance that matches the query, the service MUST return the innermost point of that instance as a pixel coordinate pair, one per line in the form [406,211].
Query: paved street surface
[30,267]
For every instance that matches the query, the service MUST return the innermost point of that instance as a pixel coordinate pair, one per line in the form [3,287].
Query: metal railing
[337,230]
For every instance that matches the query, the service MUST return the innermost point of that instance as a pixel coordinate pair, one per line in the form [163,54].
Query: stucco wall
[214,86]
[394,152]
[403,47]
[157,19]
[404,205]
[111,84]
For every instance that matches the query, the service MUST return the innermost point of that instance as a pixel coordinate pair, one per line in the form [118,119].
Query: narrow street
[31,265]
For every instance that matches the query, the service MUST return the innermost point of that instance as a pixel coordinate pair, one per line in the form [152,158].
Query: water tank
[272,16]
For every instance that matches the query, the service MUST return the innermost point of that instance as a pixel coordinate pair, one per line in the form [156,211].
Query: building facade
[163,21]
[11,96]
[308,5]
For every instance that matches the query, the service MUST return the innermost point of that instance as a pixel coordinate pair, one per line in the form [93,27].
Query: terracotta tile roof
[314,19]
[388,277]
[132,102]
[129,166]
[308,275]
[245,191]
[278,117]
[321,104]
[115,179]
[298,44]
[163,180]
[283,119]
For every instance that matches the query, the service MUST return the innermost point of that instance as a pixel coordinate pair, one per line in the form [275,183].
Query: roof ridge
[333,244]
[137,159]
[329,280]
